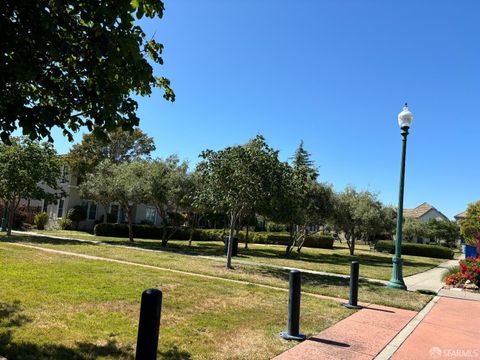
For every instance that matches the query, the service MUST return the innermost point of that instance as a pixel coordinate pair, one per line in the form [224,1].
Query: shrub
[470,269]
[274,227]
[454,279]
[183,233]
[65,224]
[319,241]
[433,251]
[40,220]
[451,270]
[77,213]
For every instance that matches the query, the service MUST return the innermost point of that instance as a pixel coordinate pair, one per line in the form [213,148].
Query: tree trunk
[130,225]
[11,215]
[292,240]
[230,242]
[192,229]
[164,235]
[105,214]
[302,239]
[246,237]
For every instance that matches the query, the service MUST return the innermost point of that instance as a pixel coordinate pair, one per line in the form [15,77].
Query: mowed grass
[61,307]
[258,274]
[373,265]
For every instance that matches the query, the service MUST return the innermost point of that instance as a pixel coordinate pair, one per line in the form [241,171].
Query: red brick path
[360,336]
[450,330]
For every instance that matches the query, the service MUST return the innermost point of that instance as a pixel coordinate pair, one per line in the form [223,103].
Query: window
[45,206]
[150,214]
[65,175]
[60,208]
[114,212]
[92,211]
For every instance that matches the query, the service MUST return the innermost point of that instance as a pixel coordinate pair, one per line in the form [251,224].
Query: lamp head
[405,118]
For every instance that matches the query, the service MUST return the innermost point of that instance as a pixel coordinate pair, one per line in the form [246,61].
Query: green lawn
[259,274]
[372,264]
[60,307]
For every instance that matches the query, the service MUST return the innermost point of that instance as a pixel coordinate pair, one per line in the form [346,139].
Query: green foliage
[40,220]
[239,180]
[76,63]
[275,227]
[301,160]
[65,224]
[27,169]
[433,251]
[443,232]
[119,146]
[414,228]
[470,226]
[358,215]
[77,213]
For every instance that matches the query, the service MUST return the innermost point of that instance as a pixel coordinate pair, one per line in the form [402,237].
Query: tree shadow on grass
[12,317]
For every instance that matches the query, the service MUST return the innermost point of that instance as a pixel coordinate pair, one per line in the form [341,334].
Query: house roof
[462,215]
[419,211]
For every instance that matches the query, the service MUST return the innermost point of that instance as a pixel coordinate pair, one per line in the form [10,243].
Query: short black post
[353,301]
[293,326]
[149,325]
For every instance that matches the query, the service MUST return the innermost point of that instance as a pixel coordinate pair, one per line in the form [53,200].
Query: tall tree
[237,180]
[76,63]
[302,160]
[28,170]
[119,146]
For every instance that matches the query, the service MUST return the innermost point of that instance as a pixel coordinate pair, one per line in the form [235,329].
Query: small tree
[414,228]
[357,216]
[129,188]
[470,226]
[167,183]
[28,170]
[238,180]
[76,214]
[443,231]
[98,186]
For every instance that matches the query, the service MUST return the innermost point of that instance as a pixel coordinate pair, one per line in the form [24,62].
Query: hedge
[433,251]
[154,232]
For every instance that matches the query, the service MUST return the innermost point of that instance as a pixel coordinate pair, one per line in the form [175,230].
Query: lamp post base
[396,281]
[285,335]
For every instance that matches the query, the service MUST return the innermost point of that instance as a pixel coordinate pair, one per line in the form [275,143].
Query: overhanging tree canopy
[74,63]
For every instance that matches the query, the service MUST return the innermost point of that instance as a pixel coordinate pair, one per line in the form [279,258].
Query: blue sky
[335,74]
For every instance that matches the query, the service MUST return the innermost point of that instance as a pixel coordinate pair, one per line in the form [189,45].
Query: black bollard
[353,301]
[293,326]
[149,325]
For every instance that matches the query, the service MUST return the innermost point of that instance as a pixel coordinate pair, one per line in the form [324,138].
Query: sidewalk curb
[398,340]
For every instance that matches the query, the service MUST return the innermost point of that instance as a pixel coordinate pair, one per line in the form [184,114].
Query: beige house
[423,212]
[95,213]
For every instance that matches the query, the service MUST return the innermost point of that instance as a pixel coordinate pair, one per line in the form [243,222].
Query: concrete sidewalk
[430,280]
[360,336]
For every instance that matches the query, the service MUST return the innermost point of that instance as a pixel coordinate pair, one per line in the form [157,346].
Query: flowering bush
[454,279]
[470,269]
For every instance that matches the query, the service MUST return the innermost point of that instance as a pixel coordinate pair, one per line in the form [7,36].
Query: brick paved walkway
[449,331]
[360,336]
